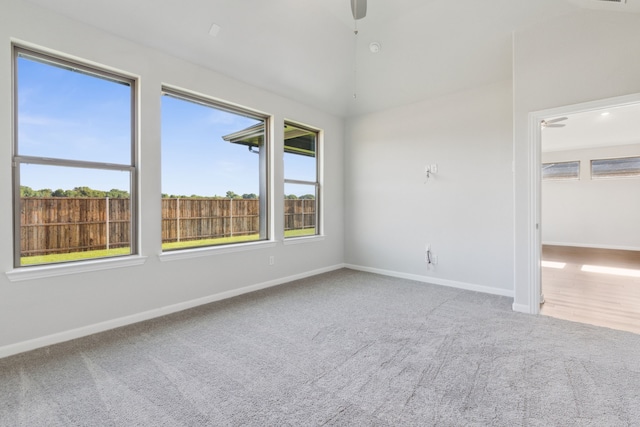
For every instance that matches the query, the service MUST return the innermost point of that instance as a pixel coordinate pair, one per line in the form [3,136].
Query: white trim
[535,214]
[521,308]
[83,331]
[52,270]
[514,151]
[302,239]
[214,250]
[535,136]
[435,281]
[594,246]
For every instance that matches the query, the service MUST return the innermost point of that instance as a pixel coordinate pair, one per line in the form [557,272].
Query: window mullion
[71,163]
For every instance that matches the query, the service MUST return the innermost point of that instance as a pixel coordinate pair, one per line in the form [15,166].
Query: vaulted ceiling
[306,49]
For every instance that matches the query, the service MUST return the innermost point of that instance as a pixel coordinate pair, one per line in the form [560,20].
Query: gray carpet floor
[342,348]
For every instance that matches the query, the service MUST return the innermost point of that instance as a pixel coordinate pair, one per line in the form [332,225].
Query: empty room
[329,212]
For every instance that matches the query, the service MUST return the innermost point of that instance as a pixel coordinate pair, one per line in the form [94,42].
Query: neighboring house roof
[296,140]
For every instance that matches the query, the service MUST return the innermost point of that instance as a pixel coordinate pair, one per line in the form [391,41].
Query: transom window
[74,161]
[621,167]
[214,173]
[561,170]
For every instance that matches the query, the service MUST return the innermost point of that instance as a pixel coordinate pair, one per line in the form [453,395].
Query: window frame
[264,196]
[612,176]
[17,160]
[317,184]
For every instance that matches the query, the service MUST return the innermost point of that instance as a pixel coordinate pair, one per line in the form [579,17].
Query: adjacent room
[329,212]
[590,232]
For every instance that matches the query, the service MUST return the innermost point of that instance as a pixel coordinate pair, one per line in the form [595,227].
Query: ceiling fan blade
[559,119]
[552,123]
[359,9]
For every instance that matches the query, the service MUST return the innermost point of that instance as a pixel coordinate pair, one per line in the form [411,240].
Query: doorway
[589,201]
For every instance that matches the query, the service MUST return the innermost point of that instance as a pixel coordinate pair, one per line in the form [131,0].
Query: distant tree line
[229,195]
[121,194]
[76,192]
[304,197]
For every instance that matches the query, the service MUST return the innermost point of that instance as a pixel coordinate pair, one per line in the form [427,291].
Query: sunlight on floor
[553,264]
[611,270]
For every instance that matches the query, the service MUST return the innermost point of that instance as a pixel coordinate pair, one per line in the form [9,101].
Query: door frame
[535,190]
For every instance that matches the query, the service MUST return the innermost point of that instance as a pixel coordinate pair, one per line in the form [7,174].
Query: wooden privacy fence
[50,225]
[299,214]
[195,219]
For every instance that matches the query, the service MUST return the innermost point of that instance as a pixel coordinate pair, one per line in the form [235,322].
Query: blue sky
[195,158]
[65,114]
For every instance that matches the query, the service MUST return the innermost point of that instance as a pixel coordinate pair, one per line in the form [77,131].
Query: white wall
[572,59]
[600,213]
[39,311]
[464,211]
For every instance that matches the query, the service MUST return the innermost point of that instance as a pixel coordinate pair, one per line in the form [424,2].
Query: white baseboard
[435,281]
[521,308]
[21,347]
[592,246]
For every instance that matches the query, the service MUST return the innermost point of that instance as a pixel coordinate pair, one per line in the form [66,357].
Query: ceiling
[307,50]
[597,128]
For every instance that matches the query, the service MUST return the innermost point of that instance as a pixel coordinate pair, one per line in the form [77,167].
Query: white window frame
[317,184]
[265,180]
[87,264]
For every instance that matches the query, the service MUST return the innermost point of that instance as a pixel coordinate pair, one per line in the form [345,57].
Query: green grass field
[209,242]
[76,256]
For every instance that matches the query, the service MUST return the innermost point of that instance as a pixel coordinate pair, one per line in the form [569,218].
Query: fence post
[178,218]
[231,217]
[107,221]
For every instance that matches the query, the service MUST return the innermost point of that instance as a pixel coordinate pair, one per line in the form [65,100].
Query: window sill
[305,239]
[214,250]
[52,270]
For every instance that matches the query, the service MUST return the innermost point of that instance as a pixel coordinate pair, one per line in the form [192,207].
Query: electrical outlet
[434,168]
[272,260]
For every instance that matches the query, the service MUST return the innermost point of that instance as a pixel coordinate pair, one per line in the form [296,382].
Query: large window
[74,163]
[301,183]
[214,173]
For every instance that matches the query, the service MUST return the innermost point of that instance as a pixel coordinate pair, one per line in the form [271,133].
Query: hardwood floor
[596,286]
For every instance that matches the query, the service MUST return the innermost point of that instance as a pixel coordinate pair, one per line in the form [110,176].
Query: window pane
[300,210]
[301,181]
[611,168]
[69,214]
[561,170]
[74,156]
[68,114]
[213,175]
[299,154]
